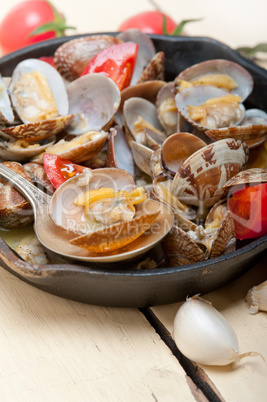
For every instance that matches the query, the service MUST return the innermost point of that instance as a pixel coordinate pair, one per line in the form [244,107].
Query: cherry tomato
[48,59]
[248,207]
[116,62]
[150,22]
[24,19]
[59,170]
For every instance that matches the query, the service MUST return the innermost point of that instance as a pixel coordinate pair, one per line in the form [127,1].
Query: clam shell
[132,109]
[79,149]
[119,154]
[177,148]
[9,150]
[155,69]
[166,108]
[224,238]
[15,210]
[66,214]
[6,112]
[220,66]
[95,99]
[198,95]
[116,236]
[72,57]
[146,50]
[180,248]
[54,79]
[200,179]
[33,132]
[247,177]
[141,156]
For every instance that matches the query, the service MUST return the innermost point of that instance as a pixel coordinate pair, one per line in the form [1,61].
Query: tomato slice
[48,59]
[116,62]
[59,170]
[248,207]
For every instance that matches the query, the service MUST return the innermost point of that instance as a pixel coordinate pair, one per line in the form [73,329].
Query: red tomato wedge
[116,62]
[48,59]
[248,207]
[59,170]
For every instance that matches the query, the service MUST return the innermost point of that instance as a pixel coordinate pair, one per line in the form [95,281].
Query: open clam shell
[119,154]
[247,177]
[177,148]
[252,129]
[55,84]
[197,96]
[21,151]
[146,50]
[78,149]
[33,132]
[72,57]
[240,75]
[6,112]
[109,238]
[166,108]
[137,108]
[200,179]
[95,109]
[15,210]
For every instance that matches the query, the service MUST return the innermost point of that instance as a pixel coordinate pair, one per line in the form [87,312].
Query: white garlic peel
[203,335]
[257,298]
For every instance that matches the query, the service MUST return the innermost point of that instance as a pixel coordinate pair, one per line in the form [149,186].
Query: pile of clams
[153,148]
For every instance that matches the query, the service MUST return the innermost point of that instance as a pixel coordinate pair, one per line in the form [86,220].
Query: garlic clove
[257,298]
[203,335]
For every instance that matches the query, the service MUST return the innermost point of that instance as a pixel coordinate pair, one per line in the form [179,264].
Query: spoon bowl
[57,239]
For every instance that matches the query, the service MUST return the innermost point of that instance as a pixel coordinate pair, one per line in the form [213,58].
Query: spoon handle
[37,198]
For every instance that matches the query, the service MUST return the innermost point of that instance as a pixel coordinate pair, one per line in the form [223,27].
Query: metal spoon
[57,239]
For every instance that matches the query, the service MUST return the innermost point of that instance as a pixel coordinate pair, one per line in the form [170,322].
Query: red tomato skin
[149,22]
[59,170]
[116,62]
[21,20]
[248,207]
[48,59]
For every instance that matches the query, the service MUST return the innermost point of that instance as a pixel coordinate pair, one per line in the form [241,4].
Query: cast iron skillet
[123,285]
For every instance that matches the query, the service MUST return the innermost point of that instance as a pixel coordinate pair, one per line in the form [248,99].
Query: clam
[140,115]
[177,148]
[39,177]
[106,211]
[154,70]
[38,92]
[247,177]
[252,129]
[21,150]
[201,243]
[95,109]
[166,108]
[208,107]
[15,210]
[119,154]
[38,131]
[219,73]
[79,148]
[146,51]
[72,57]
[200,179]
[6,112]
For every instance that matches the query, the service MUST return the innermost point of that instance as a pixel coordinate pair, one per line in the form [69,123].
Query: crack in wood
[201,386]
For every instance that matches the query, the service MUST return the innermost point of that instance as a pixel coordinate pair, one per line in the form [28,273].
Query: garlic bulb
[257,298]
[203,335]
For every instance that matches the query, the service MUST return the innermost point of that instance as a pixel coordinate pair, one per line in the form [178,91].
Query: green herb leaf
[178,30]
[251,51]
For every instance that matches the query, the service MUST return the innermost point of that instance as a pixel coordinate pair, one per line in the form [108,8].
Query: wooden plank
[246,380]
[59,350]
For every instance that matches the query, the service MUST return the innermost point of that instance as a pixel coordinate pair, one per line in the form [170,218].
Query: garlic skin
[203,335]
[257,298]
